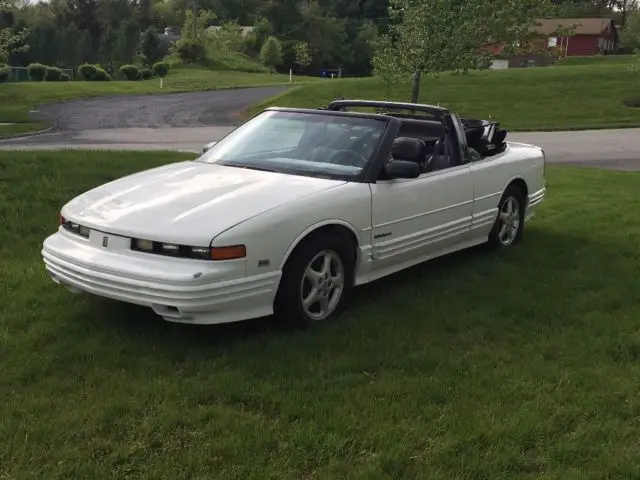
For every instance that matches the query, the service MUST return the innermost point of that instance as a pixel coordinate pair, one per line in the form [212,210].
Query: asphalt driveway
[192,109]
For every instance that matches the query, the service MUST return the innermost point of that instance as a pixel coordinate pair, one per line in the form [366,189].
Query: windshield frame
[210,156]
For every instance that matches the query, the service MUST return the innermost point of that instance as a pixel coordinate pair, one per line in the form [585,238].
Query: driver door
[421,218]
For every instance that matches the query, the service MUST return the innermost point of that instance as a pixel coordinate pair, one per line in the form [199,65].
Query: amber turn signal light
[228,253]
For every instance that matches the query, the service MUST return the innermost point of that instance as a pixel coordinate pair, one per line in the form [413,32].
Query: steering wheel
[354,159]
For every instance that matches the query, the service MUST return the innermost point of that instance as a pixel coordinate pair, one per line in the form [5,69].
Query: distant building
[587,37]
[591,36]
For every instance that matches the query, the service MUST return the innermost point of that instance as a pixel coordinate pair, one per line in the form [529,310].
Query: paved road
[187,121]
[611,149]
[218,107]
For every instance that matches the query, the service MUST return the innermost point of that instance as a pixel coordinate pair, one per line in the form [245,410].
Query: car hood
[187,202]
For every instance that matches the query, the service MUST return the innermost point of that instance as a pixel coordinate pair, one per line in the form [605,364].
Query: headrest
[412,149]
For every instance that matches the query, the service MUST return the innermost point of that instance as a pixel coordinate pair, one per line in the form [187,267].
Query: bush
[37,72]
[64,77]
[130,72]
[87,71]
[54,74]
[101,75]
[5,71]
[161,69]
[146,73]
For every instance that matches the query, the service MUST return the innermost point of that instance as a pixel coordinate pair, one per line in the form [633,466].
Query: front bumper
[179,290]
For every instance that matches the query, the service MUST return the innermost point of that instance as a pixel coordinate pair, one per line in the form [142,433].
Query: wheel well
[522,185]
[336,229]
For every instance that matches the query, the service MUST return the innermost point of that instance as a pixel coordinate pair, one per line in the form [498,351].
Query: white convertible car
[293,208]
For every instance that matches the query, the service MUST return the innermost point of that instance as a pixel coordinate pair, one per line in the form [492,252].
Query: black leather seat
[411,149]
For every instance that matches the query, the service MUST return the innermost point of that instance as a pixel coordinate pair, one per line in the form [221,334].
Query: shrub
[130,72]
[87,71]
[146,73]
[5,71]
[101,75]
[64,77]
[161,69]
[54,74]
[37,72]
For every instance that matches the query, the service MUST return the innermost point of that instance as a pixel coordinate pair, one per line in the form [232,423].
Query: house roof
[583,26]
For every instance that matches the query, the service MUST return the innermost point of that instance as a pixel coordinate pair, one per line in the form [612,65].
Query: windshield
[300,143]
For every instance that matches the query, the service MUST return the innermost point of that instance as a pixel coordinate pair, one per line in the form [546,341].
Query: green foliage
[130,72]
[191,46]
[271,53]
[146,73]
[87,71]
[302,54]
[37,72]
[54,74]
[630,36]
[161,69]
[5,71]
[151,50]
[11,40]
[101,75]
[433,36]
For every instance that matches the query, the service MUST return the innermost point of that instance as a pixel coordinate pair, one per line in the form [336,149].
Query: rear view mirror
[402,169]
[208,146]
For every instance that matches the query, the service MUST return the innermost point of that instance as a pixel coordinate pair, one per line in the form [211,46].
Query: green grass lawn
[595,60]
[518,364]
[16,99]
[546,98]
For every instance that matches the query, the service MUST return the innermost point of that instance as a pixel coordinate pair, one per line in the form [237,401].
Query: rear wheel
[509,225]
[316,282]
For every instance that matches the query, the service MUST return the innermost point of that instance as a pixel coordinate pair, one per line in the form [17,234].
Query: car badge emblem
[105,241]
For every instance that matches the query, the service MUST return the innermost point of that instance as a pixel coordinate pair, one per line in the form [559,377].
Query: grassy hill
[550,98]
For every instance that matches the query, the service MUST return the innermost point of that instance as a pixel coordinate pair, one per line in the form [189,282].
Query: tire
[508,228]
[305,270]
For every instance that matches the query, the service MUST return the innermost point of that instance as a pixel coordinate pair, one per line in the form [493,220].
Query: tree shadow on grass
[546,263]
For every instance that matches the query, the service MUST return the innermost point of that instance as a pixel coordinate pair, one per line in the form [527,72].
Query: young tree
[271,53]
[433,36]
[191,46]
[10,40]
[302,54]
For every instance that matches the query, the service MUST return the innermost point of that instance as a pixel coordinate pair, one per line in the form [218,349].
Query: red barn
[591,36]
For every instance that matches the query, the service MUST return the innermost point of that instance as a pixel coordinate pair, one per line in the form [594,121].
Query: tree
[151,50]
[10,41]
[302,54]
[191,45]
[433,36]
[271,53]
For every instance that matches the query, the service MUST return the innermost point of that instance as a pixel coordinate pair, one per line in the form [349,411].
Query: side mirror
[402,169]
[208,146]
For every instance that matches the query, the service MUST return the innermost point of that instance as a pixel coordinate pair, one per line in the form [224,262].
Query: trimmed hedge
[54,74]
[146,73]
[5,71]
[101,75]
[161,69]
[87,71]
[37,72]
[130,72]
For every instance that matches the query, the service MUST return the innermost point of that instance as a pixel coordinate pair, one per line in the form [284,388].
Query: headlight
[187,251]
[74,227]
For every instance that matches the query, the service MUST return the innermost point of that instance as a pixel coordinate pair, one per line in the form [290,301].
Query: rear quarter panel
[492,175]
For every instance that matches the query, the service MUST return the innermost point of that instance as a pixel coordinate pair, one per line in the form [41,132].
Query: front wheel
[316,281]
[509,225]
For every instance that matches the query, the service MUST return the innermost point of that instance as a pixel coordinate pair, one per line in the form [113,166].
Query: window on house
[553,42]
